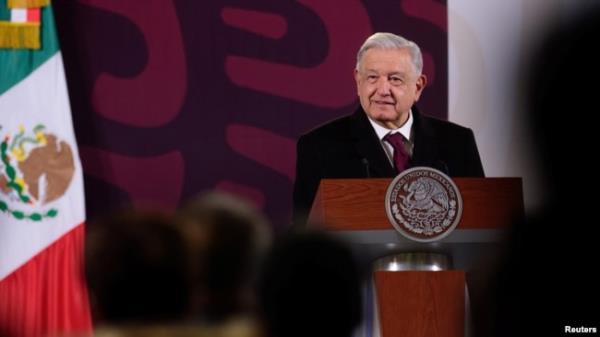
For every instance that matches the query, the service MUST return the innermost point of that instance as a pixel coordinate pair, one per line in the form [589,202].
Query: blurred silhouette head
[560,98]
[551,247]
[137,269]
[310,286]
[228,238]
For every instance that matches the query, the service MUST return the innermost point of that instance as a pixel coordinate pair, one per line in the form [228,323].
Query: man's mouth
[383,103]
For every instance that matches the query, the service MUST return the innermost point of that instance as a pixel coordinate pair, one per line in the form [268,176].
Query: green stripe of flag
[4,11]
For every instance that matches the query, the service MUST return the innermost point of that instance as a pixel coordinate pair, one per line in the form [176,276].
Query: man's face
[388,85]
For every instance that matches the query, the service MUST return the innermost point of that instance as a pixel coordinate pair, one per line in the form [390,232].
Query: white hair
[392,41]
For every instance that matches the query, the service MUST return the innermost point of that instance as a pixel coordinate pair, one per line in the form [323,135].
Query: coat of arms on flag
[42,208]
[36,168]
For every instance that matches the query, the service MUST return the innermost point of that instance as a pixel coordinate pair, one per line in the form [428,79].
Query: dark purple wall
[170,98]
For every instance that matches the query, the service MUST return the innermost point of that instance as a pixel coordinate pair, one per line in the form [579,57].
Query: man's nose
[383,87]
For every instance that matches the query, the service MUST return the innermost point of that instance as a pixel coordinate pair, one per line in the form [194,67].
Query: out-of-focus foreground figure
[310,286]
[229,238]
[137,270]
[548,271]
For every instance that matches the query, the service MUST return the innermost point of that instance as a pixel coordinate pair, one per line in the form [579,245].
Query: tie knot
[395,139]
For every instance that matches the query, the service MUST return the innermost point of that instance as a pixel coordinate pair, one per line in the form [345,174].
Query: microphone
[365,163]
[442,166]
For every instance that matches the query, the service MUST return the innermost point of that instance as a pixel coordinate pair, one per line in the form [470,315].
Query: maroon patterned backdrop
[171,98]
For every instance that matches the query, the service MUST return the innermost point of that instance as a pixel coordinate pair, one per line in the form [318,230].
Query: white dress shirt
[404,130]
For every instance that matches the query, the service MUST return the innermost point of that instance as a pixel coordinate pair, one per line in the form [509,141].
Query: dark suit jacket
[348,147]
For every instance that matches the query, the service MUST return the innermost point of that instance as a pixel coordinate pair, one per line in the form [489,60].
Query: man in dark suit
[389,82]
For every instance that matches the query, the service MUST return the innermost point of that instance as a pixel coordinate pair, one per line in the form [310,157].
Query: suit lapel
[425,149]
[368,146]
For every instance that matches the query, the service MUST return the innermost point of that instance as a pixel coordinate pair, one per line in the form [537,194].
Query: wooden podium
[419,303]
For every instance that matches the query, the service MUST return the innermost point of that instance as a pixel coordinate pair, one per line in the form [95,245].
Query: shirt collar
[404,129]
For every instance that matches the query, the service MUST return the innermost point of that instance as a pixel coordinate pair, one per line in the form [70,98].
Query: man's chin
[384,116]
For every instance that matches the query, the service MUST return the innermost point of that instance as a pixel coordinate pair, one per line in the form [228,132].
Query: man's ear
[420,85]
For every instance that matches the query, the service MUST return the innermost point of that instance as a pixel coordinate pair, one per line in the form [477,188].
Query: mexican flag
[42,210]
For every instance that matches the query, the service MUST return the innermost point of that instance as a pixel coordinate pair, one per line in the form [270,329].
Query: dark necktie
[401,157]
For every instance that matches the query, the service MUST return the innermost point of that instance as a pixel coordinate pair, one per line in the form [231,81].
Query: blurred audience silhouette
[546,280]
[137,270]
[228,238]
[310,286]
[188,274]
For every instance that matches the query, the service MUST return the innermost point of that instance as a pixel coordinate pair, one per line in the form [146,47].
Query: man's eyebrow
[399,73]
